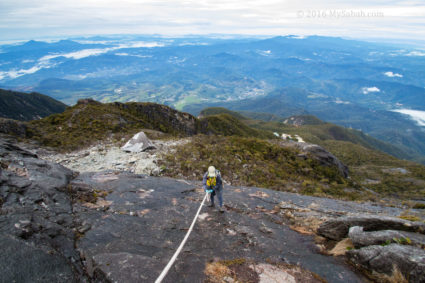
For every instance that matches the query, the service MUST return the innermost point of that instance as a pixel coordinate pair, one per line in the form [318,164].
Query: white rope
[173,259]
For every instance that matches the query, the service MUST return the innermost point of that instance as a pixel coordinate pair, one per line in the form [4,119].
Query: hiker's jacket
[218,186]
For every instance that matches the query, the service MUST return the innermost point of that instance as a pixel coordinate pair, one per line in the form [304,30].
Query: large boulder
[410,261]
[337,229]
[138,143]
[324,157]
[361,238]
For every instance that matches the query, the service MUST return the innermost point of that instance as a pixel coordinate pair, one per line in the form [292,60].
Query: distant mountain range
[27,106]
[350,83]
[387,126]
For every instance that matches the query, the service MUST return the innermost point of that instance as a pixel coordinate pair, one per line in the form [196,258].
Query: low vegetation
[90,121]
[240,147]
[256,162]
[228,125]
[369,167]
[210,111]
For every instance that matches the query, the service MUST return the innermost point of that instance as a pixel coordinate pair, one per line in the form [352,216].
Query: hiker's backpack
[212,182]
[217,173]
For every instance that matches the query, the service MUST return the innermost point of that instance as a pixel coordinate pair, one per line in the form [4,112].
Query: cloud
[77,54]
[416,115]
[99,51]
[339,101]
[367,90]
[45,61]
[392,75]
[24,18]
[264,52]
[17,73]
[134,55]
[416,53]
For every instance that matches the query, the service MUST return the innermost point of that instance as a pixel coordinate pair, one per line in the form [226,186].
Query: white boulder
[286,136]
[138,143]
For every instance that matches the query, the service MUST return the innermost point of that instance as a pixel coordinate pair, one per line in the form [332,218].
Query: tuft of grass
[396,276]
[216,271]
[410,217]
[419,206]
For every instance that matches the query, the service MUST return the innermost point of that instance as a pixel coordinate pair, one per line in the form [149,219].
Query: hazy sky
[25,19]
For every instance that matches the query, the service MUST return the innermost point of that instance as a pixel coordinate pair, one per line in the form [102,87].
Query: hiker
[213,185]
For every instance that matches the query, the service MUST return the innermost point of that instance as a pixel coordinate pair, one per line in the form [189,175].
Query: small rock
[84,228]
[266,230]
[228,279]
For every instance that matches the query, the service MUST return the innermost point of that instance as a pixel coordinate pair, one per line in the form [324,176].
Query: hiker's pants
[219,195]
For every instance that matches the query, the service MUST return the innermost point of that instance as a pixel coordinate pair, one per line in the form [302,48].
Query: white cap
[211,171]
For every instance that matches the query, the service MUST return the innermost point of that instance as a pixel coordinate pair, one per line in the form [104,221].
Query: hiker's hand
[209,191]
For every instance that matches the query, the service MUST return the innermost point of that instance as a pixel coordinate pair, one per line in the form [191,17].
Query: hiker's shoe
[211,205]
[221,209]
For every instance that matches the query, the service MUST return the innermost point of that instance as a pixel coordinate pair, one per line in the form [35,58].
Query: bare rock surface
[146,218]
[119,226]
[36,221]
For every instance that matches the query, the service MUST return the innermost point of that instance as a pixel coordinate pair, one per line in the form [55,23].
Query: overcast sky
[35,19]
